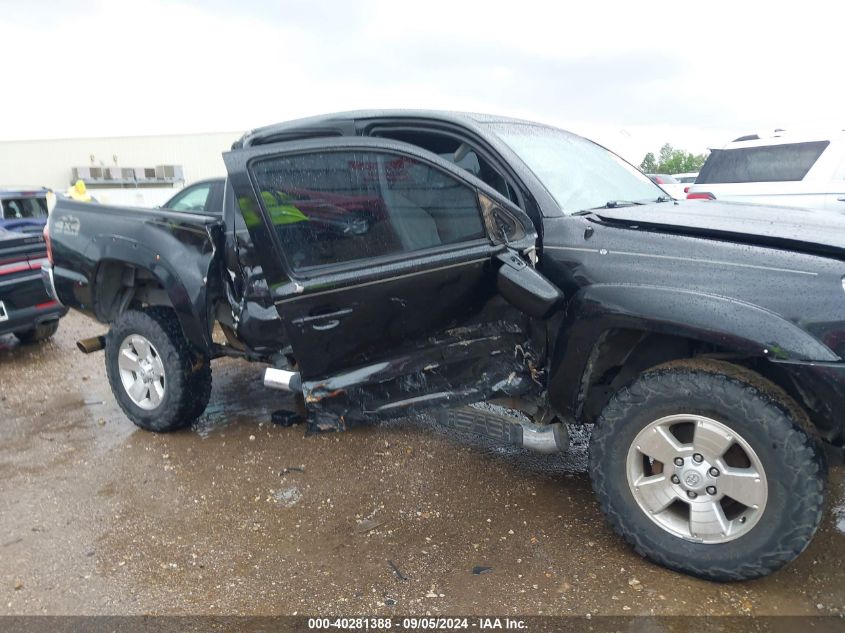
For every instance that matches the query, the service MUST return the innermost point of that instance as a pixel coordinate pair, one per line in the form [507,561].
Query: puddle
[526,461]
[217,417]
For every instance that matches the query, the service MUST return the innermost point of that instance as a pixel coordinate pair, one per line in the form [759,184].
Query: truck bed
[98,250]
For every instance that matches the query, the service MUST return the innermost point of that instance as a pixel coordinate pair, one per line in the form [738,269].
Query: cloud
[601,68]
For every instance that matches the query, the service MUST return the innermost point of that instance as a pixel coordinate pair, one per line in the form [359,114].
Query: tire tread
[190,384]
[804,473]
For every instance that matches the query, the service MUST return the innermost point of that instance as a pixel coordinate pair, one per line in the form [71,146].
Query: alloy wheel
[141,371]
[697,478]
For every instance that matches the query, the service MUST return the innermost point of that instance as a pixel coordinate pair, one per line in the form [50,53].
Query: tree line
[672,161]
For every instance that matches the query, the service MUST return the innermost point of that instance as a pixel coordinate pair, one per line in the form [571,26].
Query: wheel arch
[613,333]
[146,280]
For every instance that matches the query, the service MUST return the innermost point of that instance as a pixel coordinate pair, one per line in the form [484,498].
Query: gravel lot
[238,516]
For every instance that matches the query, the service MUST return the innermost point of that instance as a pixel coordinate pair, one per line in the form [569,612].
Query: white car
[669,184]
[687,178]
[795,170]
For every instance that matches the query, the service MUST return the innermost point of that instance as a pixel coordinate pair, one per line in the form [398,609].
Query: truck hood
[805,230]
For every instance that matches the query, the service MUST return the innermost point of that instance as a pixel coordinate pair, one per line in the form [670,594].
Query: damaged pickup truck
[389,262]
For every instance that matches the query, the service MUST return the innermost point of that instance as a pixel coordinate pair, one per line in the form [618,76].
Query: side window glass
[770,163]
[466,158]
[343,206]
[23,208]
[457,152]
[192,199]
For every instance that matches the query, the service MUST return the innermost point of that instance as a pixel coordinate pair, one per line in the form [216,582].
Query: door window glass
[457,152]
[337,207]
[24,208]
[192,199]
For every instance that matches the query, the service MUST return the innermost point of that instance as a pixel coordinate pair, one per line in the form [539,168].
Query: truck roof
[338,123]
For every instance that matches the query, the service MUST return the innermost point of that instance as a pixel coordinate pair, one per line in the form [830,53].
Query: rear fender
[187,288]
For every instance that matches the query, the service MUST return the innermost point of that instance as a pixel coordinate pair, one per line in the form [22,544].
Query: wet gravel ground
[238,516]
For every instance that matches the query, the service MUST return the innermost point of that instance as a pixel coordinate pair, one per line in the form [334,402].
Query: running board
[542,438]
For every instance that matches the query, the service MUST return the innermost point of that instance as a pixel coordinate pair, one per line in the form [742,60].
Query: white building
[50,163]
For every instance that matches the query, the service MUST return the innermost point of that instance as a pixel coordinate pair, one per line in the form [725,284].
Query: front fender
[729,323]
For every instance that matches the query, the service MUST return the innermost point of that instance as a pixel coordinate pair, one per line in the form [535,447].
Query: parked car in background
[687,178]
[669,184]
[796,170]
[203,196]
[23,209]
[26,310]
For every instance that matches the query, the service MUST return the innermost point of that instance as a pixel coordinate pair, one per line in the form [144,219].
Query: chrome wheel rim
[141,371]
[697,478]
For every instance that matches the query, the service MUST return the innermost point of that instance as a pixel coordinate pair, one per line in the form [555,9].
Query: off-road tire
[40,332]
[188,379]
[760,412]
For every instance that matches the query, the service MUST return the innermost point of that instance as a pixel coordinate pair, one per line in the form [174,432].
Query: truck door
[382,261]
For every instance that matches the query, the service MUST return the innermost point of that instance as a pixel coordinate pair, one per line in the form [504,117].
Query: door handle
[328,325]
[840,199]
[316,318]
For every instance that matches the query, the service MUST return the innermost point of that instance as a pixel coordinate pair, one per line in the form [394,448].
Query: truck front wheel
[706,468]
[157,381]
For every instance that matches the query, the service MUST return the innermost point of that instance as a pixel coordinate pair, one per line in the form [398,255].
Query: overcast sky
[629,74]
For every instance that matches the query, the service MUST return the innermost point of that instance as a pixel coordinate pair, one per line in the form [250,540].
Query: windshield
[578,173]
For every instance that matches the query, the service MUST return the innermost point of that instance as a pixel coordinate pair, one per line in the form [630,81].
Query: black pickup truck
[389,262]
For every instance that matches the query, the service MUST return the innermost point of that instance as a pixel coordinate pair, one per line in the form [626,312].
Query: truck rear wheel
[160,385]
[705,468]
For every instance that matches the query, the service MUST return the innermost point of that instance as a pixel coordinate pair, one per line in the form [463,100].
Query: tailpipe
[542,438]
[283,379]
[90,345]
[545,438]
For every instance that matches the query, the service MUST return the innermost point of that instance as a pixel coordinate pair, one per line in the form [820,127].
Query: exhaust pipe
[542,438]
[283,379]
[90,345]
[545,438]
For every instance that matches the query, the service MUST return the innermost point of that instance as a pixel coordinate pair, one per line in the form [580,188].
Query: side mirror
[525,288]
